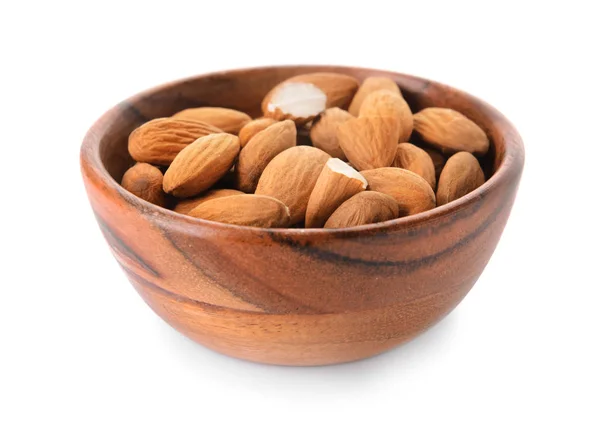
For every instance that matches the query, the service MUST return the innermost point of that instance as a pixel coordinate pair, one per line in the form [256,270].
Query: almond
[186,205]
[291,177]
[369,85]
[160,140]
[410,157]
[228,120]
[364,208]
[260,150]
[438,159]
[386,104]
[412,193]
[368,142]
[323,132]
[336,184]
[197,167]
[252,128]
[450,131]
[301,98]
[245,210]
[145,181]
[461,175]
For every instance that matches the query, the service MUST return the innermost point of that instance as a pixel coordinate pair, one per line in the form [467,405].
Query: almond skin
[160,140]
[145,181]
[228,120]
[260,150]
[412,193]
[337,183]
[301,98]
[368,142]
[461,175]
[386,103]
[438,159]
[252,128]
[410,157]
[369,85]
[291,177]
[200,165]
[450,131]
[245,210]
[363,209]
[323,132]
[186,205]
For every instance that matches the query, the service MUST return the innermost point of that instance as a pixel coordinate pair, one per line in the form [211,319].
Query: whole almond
[363,209]
[197,167]
[410,157]
[186,205]
[368,142]
[369,85]
[228,120]
[450,131]
[253,127]
[412,193]
[388,104]
[260,150]
[291,177]
[461,175]
[160,140]
[145,181]
[245,210]
[323,132]
[301,98]
[337,183]
[438,159]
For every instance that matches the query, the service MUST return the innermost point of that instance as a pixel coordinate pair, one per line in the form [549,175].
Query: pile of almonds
[223,166]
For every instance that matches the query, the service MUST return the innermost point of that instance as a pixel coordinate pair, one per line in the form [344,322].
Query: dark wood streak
[126,106]
[118,244]
[170,294]
[397,266]
[251,295]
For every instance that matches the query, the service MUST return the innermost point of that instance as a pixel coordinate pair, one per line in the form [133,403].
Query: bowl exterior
[299,297]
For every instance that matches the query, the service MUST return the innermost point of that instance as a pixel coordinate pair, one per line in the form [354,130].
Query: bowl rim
[509,167]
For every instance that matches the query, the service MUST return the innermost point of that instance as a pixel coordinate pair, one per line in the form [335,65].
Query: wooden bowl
[297,296]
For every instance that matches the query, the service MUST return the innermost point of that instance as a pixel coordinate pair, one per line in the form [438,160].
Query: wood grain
[295,296]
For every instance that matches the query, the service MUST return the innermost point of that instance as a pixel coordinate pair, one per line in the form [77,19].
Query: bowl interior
[244,89]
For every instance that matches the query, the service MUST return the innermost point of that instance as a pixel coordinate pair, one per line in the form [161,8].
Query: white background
[82,355]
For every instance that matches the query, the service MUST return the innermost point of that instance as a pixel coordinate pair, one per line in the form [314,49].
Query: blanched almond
[364,208]
[291,177]
[197,167]
[301,98]
[410,190]
[245,210]
[336,184]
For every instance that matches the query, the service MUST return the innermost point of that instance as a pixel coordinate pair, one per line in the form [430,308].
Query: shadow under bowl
[298,296]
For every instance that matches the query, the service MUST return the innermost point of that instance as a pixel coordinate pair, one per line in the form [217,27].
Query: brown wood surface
[295,296]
